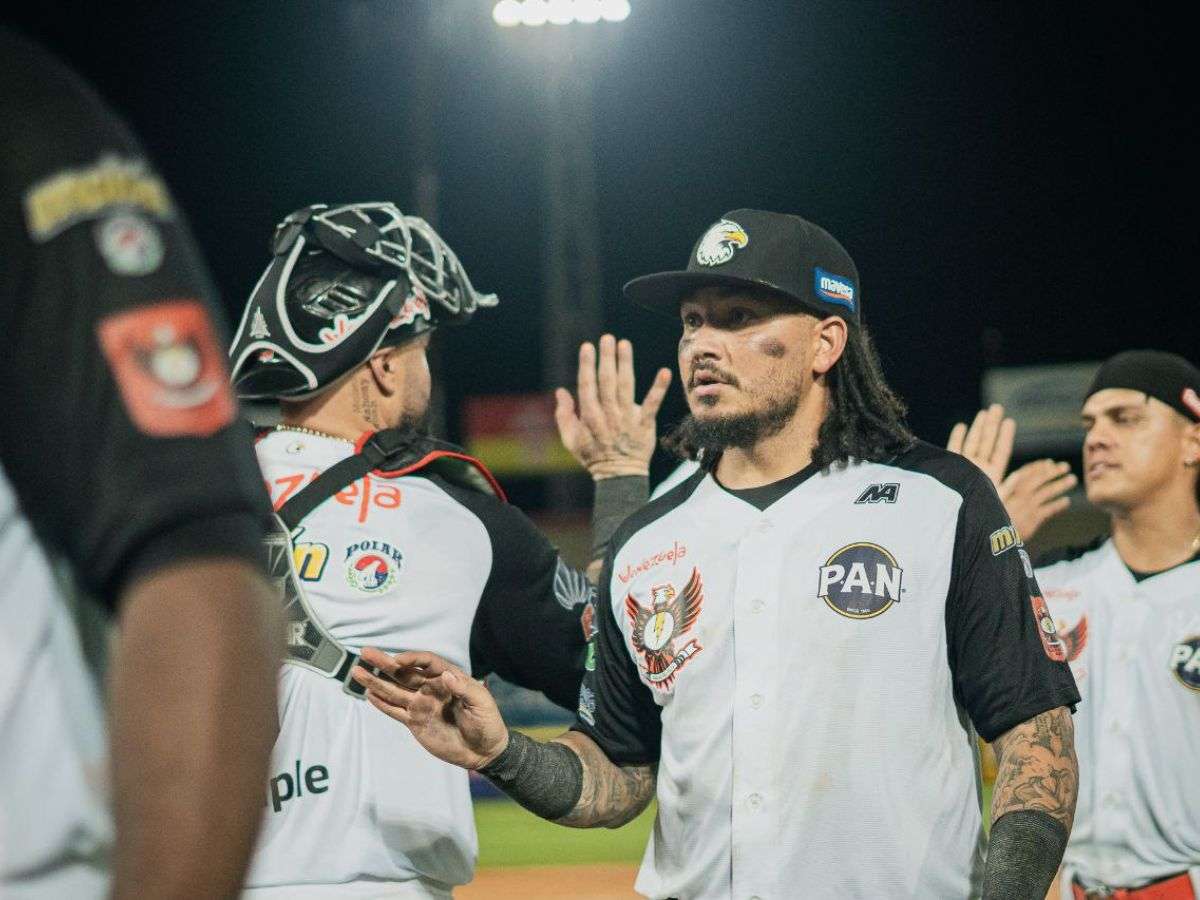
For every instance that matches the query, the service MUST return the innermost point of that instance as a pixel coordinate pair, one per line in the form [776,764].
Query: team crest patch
[372,566]
[860,581]
[656,630]
[719,243]
[1185,662]
[169,369]
[130,244]
[1054,646]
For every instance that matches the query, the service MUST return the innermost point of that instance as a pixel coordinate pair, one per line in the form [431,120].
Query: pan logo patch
[860,581]
[657,629]
[1185,662]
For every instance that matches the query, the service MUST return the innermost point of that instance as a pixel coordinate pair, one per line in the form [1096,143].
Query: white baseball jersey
[1134,646]
[399,563]
[808,664]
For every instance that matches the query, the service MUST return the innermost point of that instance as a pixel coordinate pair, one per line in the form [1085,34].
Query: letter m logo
[879,493]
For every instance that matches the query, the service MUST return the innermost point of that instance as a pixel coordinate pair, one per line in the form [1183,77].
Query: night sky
[1012,182]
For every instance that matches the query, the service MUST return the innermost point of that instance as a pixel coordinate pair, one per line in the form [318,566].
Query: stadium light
[510,13]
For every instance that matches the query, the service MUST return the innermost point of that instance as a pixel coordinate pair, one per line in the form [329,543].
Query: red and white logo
[655,630]
[167,365]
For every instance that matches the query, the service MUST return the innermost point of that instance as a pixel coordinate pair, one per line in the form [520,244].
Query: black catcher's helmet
[344,281]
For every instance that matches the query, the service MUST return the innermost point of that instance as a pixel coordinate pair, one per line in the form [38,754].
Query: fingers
[625,374]
[399,713]
[466,689]
[606,377]
[589,401]
[971,444]
[1006,435]
[1192,401]
[393,694]
[657,393]
[564,415]
[1054,488]
[987,428]
[958,434]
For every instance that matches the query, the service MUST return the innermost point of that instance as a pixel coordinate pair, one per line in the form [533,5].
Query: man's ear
[384,371]
[829,342]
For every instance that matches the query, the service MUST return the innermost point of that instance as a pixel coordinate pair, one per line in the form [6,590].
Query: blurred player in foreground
[401,541]
[123,472]
[797,644]
[1129,612]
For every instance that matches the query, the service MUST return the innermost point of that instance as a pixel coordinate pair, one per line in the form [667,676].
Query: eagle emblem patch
[719,243]
[657,630]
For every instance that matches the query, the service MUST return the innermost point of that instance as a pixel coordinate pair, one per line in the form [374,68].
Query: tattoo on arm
[1037,768]
[612,795]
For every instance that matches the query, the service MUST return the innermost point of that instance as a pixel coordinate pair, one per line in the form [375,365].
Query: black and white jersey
[808,663]
[1134,646]
[118,451]
[400,563]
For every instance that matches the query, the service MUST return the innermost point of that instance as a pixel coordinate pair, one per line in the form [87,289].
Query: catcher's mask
[344,281]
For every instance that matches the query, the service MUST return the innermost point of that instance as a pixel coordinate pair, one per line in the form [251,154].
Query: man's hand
[988,442]
[1036,493]
[450,714]
[1033,493]
[610,434]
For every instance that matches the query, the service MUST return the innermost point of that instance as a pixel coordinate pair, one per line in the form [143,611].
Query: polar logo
[719,243]
[833,288]
[860,581]
[1185,662]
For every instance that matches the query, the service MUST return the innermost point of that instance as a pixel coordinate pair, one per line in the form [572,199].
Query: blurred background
[1011,181]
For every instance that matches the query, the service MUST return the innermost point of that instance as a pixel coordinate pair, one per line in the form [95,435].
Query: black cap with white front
[753,248]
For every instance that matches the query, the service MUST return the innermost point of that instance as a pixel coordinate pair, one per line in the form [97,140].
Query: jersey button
[756,605]
[764,526]
[755,802]
[756,700]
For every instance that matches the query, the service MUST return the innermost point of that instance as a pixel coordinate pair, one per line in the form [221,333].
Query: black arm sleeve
[616,710]
[528,627]
[119,438]
[1007,662]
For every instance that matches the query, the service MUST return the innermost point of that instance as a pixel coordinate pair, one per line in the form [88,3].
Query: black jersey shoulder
[1068,554]
[656,509]
[950,469]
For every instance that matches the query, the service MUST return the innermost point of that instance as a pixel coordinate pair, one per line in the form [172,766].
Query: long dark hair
[865,419]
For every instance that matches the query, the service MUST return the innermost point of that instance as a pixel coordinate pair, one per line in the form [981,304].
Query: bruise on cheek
[770,346]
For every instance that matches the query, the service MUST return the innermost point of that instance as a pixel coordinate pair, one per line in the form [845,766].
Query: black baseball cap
[760,249]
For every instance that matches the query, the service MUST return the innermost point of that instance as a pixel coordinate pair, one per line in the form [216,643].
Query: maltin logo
[860,581]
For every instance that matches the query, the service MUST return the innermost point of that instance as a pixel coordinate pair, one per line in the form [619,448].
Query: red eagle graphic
[1076,639]
[655,630]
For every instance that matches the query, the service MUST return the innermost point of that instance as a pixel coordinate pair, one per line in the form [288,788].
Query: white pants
[416,889]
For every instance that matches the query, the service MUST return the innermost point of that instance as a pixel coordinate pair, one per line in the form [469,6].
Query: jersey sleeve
[1008,663]
[119,434]
[616,709]
[528,627]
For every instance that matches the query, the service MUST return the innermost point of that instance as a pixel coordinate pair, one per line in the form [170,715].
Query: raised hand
[609,433]
[451,715]
[988,442]
[1035,493]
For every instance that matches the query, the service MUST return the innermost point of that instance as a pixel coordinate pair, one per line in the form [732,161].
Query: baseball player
[412,547]
[1130,624]
[797,645]
[113,385]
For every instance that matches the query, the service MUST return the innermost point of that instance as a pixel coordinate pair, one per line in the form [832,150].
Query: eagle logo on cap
[719,243]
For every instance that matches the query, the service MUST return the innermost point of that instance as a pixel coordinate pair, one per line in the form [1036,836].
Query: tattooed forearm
[1037,768]
[612,795]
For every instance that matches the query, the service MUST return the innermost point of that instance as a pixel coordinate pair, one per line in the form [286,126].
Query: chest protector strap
[391,453]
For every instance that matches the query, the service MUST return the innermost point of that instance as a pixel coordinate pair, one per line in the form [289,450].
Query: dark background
[1012,182]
